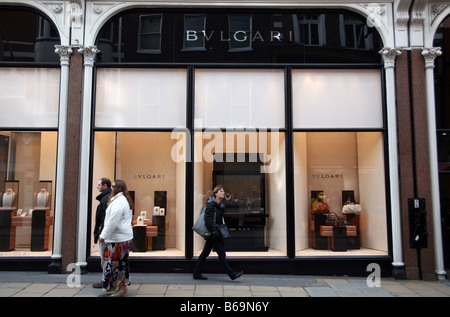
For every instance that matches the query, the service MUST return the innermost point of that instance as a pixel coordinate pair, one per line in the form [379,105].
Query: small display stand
[160,200]
[8,204]
[139,238]
[40,216]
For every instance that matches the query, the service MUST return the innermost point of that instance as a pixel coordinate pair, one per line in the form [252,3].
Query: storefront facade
[289,107]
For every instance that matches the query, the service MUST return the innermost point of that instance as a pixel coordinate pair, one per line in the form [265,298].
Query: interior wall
[301,199]
[372,191]
[103,166]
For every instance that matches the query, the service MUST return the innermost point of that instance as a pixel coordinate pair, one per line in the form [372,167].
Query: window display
[144,161]
[26,204]
[254,183]
[244,202]
[345,193]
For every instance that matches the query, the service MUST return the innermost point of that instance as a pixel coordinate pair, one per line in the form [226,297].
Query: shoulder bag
[199,226]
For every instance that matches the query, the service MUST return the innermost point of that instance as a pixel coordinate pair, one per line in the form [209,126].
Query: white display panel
[235,98]
[327,99]
[140,98]
[29,97]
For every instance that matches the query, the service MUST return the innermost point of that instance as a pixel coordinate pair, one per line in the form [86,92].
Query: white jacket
[118,217]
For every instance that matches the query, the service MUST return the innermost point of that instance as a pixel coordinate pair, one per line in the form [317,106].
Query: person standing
[104,187]
[117,234]
[213,216]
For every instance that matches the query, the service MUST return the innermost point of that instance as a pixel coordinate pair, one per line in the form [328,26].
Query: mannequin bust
[8,198]
[42,198]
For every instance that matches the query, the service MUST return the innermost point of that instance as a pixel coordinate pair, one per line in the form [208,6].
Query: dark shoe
[97,285]
[200,277]
[238,275]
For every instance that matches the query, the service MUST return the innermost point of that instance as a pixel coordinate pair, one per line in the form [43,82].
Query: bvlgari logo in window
[327,176]
[148,176]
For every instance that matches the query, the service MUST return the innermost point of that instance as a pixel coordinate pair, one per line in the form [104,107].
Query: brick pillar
[72,161]
[414,158]
[406,157]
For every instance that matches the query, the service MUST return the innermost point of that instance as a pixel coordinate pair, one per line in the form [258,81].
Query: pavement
[182,286]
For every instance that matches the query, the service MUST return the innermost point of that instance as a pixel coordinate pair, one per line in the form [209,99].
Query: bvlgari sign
[238,36]
[148,176]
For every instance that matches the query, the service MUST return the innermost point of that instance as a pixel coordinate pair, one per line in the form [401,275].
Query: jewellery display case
[8,205]
[160,200]
[245,213]
[42,195]
[40,216]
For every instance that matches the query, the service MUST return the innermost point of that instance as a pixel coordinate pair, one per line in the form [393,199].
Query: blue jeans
[219,247]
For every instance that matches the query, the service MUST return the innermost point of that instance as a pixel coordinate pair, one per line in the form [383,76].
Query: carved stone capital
[389,55]
[430,54]
[64,52]
[89,53]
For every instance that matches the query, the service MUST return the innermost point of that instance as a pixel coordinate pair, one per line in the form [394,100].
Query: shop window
[27,186]
[239,98]
[340,175]
[149,35]
[145,98]
[29,97]
[250,166]
[194,32]
[156,180]
[337,99]
[240,32]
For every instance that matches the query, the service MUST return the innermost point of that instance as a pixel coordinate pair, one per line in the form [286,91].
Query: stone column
[430,54]
[64,53]
[389,56]
[89,53]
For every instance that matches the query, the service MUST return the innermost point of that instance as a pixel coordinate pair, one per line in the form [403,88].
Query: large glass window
[322,99]
[343,172]
[442,97]
[148,161]
[242,117]
[250,166]
[27,187]
[140,98]
[236,150]
[155,177]
[29,97]
[239,98]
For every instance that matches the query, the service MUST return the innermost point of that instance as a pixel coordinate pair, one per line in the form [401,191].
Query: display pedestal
[319,242]
[7,242]
[159,242]
[339,239]
[139,239]
[353,242]
[38,232]
[247,231]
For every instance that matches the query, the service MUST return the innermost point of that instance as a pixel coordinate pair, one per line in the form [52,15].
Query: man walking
[104,187]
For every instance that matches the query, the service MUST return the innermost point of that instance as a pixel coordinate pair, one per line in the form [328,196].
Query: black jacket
[213,207]
[100,213]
